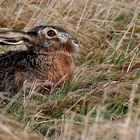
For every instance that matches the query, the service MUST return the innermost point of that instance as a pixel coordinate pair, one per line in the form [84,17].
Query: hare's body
[27,67]
[48,59]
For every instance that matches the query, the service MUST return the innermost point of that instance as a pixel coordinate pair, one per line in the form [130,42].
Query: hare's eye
[51,33]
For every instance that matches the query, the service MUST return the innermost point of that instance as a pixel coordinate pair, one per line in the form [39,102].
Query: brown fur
[61,69]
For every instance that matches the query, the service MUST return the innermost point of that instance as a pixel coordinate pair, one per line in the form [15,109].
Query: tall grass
[103,100]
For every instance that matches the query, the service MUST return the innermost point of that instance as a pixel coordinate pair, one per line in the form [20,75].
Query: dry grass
[103,100]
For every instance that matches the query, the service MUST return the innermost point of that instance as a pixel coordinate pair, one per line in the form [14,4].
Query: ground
[103,100]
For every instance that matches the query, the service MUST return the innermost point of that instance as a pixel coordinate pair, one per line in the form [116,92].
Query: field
[102,102]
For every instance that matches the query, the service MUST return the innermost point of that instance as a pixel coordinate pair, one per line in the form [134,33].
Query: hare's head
[41,38]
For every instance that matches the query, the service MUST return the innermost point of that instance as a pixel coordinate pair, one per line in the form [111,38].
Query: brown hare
[48,58]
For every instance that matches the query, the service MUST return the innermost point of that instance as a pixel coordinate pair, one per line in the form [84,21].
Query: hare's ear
[13,37]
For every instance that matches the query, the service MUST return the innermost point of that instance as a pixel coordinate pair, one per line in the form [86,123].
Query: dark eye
[51,33]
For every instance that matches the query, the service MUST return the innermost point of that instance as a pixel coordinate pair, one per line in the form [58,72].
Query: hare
[47,60]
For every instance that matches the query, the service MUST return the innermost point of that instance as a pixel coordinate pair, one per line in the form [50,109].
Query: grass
[103,100]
